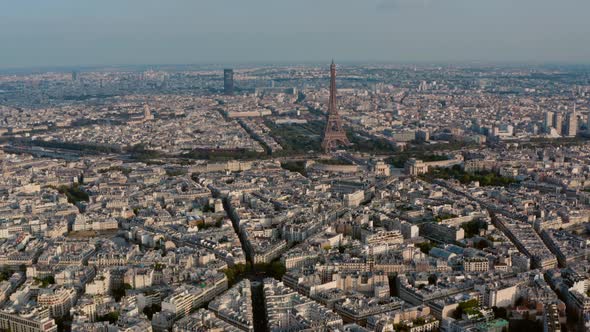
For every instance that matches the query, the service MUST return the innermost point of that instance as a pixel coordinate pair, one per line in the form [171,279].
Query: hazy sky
[101,32]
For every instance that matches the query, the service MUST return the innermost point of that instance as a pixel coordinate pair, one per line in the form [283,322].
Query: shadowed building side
[228,82]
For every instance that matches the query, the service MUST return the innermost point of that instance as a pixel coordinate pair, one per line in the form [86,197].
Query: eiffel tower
[334,135]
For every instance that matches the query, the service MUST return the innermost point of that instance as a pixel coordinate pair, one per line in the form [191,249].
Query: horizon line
[262,63]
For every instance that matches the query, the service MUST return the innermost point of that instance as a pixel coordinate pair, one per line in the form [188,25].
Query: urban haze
[282,166]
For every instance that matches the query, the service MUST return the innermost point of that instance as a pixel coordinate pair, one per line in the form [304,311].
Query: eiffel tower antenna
[334,135]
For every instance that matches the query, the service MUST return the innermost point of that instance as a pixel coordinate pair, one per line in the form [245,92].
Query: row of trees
[75,193]
[485,178]
[295,166]
[82,147]
[473,227]
[234,274]
[297,139]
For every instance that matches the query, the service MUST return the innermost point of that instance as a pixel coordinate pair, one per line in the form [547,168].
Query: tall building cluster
[555,123]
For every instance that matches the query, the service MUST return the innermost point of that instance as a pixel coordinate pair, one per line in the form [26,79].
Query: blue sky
[106,32]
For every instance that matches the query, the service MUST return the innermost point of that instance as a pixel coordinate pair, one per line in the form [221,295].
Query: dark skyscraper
[74,76]
[228,81]
[334,135]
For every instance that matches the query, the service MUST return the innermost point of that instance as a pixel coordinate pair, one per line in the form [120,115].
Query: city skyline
[201,165]
[352,198]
